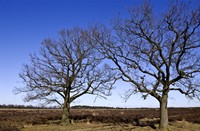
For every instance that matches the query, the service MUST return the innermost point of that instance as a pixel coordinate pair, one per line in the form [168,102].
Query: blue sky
[25,23]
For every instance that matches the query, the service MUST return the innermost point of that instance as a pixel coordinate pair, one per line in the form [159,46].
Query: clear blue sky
[25,23]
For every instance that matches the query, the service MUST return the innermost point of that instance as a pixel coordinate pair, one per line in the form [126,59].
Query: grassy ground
[174,126]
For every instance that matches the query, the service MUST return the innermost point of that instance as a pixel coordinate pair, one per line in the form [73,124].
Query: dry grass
[98,119]
[174,126]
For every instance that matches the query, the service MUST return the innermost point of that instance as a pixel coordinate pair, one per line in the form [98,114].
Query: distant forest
[27,106]
[10,106]
[55,107]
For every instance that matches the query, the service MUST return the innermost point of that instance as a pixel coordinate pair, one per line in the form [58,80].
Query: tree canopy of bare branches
[156,53]
[66,68]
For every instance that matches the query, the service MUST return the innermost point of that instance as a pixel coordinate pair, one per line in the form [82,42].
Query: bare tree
[156,53]
[66,68]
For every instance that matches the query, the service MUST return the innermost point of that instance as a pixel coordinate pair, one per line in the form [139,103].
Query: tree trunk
[163,113]
[66,114]
[66,109]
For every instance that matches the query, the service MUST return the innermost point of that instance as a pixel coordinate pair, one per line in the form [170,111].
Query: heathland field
[97,119]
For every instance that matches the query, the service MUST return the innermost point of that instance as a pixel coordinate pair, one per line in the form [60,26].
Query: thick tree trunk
[66,114]
[66,109]
[163,113]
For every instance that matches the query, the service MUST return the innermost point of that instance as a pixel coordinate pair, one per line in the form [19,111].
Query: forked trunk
[163,113]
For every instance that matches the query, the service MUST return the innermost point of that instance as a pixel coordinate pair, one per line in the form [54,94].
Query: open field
[97,119]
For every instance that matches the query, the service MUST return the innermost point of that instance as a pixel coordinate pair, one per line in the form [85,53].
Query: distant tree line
[56,107]
[27,106]
[11,106]
[92,107]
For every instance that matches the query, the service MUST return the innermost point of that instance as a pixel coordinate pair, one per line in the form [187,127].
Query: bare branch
[67,67]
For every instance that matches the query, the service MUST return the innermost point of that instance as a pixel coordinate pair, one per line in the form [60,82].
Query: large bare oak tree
[67,68]
[156,53]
